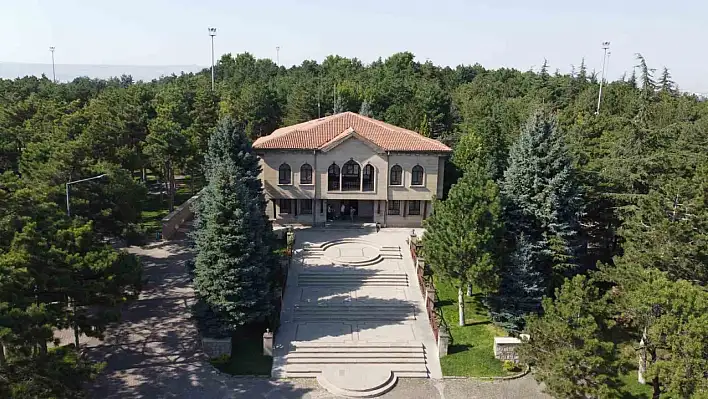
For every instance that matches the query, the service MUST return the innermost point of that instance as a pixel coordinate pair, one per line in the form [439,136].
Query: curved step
[357,382]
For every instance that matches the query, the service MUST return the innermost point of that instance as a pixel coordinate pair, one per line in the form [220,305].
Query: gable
[348,136]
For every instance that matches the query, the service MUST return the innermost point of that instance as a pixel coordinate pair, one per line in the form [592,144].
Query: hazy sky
[513,33]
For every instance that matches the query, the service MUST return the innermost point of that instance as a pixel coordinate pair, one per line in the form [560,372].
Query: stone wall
[181,214]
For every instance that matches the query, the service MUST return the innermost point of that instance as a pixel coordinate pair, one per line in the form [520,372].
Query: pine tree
[365,109]
[461,240]
[543,205]
[234,268]
[666,85]
[567,345]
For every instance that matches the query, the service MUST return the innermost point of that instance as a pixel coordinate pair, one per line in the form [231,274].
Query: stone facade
[304,202]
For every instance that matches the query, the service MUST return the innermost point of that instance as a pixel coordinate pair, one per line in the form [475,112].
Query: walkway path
[153,352]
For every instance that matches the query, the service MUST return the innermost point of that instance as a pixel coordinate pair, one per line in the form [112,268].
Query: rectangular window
[394,207]
[414,207]
[285,206]
[306,207]
[321,206]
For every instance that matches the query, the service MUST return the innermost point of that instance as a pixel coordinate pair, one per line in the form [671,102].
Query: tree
[166,147]
[462,235]
[542,210]
[365,109]
[542,194]
[668,231]
[567,345]
[522,285]
[235,265]
[671,321]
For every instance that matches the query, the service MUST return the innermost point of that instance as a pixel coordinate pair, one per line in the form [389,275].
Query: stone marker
[268,343]
[215,347]
[505,348]
[443,341]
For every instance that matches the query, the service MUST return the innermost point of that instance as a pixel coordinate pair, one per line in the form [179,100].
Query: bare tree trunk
[2,354]
[655,381]
[76,327]
[171,187]
[469,289]
[461,306]
[642,359]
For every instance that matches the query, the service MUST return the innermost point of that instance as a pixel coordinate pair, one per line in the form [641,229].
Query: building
[344,164]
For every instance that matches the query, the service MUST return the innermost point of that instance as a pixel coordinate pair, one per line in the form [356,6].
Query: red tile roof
[317,133]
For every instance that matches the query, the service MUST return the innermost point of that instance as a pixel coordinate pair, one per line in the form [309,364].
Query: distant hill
[68,72]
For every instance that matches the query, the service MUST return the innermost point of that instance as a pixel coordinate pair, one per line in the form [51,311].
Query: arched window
[284,174]
[306,174]
[417,176]
[351,176]
[367,180]
[396,176]
[333,177]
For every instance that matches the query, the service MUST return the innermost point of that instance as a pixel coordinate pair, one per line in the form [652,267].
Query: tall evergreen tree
[366,109]
[542,205]
[461,240]
[235,264]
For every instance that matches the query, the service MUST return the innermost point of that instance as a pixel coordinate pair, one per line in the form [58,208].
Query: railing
[425,283]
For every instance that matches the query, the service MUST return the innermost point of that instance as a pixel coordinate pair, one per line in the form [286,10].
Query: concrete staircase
[309,359]
[351,279]
[363,312]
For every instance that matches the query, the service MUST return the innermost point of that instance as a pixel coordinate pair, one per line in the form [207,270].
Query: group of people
[342,212]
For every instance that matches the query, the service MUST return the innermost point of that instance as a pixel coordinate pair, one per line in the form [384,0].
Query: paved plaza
[154,352]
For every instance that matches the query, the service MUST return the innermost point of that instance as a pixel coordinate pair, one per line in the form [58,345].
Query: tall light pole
[605,47]
[277,55]
[54,74]
[212,33]
[68,208]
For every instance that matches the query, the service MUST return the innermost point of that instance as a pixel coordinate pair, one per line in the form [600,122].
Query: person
[342,212]
[352,211]
[378,226]
[329,212]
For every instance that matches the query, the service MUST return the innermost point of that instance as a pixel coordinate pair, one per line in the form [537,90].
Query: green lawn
[154,209]
[246,355]
[472,350]
[631,389]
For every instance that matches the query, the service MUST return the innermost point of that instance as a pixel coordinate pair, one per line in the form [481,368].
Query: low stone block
[215,347]
[268,343]
[505,348]
[443,341]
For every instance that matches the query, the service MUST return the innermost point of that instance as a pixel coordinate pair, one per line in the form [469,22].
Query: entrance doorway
[341,211]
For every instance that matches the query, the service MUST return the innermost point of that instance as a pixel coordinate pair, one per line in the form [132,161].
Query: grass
[246,354]
[472,350]
[631,389]
[154,209]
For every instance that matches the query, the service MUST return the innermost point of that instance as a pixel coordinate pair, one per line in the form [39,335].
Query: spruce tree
[542,209]
[462,236]
[365,109]
[235,264]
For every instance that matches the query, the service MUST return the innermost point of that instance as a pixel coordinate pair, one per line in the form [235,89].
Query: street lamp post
[68,208]
[605,46]
[212,33]
[54,74]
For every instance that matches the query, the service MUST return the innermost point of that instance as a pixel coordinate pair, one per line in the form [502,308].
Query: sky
[494,33]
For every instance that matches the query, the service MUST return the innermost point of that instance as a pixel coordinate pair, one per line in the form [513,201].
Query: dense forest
[635,176]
